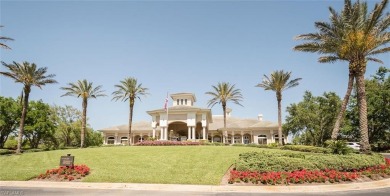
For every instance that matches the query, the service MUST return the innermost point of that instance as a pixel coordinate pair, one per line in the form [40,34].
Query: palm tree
[2,45]
[223,93]
[278,82]
[85,90]
[129,89]
[29,75]
[354,36]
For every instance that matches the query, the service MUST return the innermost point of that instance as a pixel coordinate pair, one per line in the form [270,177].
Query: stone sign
[67,160]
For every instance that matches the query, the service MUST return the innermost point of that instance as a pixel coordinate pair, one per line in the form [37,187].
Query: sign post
[67,161]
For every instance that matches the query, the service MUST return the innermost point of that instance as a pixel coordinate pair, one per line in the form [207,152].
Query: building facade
[185,122]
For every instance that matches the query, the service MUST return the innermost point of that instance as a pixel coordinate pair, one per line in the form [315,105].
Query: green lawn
[136,164]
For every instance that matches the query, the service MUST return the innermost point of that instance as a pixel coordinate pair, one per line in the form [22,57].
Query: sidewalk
[203,188]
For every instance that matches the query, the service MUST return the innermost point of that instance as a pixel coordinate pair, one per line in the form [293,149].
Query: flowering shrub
[66,173]
[167,143]
[307,176]
[268,161]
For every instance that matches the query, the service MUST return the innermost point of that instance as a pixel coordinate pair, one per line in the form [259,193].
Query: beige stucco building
[183,121]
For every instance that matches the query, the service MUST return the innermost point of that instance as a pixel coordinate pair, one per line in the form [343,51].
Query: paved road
[14,191]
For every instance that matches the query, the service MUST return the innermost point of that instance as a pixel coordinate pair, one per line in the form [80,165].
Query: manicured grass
[136,164]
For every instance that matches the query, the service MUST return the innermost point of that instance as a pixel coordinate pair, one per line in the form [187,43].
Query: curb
[202,188]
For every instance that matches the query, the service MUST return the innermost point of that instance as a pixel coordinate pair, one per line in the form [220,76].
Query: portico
[182,121]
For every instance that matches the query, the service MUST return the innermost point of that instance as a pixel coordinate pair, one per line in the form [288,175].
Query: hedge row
[292,161]
[302,148]
[166,143]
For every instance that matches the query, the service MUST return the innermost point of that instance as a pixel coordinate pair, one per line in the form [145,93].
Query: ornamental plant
[66,173]
[308,176]
[167,143]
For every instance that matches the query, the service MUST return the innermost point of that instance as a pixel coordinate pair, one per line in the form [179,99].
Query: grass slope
[136,164]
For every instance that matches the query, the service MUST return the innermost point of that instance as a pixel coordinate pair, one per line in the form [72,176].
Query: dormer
[186,99]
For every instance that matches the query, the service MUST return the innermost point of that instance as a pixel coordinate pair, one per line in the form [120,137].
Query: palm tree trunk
[280,134]
[23,119]
[340,116]
[362,103]
[224,123]
[84,122]
[130,122]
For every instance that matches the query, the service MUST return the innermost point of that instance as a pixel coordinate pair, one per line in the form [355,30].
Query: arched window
[262,139]
[247,139]
[111,140]
[217,139]
[229,139]
[237,139]
[123,140]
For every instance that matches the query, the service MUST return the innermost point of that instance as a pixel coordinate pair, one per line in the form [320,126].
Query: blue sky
[169,46]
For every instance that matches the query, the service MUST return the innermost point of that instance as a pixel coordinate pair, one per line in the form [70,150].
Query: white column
[212,138]
[242,138]
[232,138]
[189,133]
[104,138]
[116,138]
[204,133]
[162,133]
[193,133]
[166,133]
[224,135]
[154,132]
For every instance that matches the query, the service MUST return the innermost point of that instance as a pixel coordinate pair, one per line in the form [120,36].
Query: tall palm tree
[355,36]
[129,89]
[29,75]
[85,90]
[278,82]
[2,45]
[223,93]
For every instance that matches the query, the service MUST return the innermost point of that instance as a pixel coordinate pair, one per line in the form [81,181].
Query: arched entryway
[177,131]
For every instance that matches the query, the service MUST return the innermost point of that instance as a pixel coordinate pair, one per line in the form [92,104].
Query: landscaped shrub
[5,151]
[302,148]
[271,146]
[291,161]
[66,173]
[167,143]
[11,143]
[308,176]
[338,147]
[238,144]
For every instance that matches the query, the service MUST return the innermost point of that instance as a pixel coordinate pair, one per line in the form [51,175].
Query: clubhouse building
[185,122]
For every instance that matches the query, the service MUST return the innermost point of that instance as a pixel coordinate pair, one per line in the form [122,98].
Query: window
[181,101]
[262,139]
[217,139]
[237,139]
[246,139]
[277,138]
[177,102]
[123,140]
[229,139]
[111,140]
[185,101]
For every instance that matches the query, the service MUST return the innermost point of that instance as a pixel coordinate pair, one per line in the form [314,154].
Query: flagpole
[167,131]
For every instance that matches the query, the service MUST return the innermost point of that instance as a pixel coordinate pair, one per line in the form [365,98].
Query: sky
[170,47]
